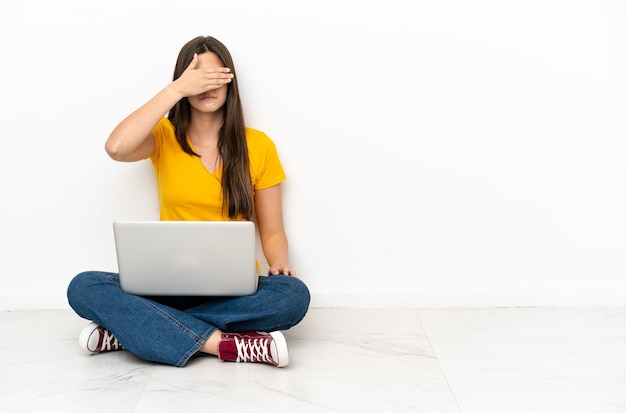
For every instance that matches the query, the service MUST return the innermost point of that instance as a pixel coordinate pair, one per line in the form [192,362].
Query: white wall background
[439,153]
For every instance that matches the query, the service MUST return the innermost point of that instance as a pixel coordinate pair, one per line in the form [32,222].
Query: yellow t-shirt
[188,192]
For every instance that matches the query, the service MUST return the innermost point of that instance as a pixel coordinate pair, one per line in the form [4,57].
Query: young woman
[209,166]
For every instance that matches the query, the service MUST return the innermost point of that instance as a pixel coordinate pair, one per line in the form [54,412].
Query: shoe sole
[281,348]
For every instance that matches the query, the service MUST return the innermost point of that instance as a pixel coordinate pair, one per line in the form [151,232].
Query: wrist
[173,91]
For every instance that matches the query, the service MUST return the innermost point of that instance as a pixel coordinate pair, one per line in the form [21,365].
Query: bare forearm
[133,131]
[275,248]
[270,219]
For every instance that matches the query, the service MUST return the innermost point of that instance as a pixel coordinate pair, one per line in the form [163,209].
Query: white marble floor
[502,360]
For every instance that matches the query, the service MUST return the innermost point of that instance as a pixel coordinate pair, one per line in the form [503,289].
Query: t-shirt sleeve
[266,168]
[159,131]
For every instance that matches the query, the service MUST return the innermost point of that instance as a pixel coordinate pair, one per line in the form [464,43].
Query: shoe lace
[109,341]
[253,350]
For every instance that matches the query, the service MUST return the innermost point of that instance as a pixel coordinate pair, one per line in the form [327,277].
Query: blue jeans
[171,330]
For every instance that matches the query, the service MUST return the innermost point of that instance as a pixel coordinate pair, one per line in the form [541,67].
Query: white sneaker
[95,339]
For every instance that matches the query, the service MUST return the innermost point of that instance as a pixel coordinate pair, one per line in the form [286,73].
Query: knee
[80,283]
[298,297]
[305,298]
[83,285]
[301,291]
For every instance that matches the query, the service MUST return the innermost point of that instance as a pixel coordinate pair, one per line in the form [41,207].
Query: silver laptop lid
[208,258]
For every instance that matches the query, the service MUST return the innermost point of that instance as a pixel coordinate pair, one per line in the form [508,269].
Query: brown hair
[232,146]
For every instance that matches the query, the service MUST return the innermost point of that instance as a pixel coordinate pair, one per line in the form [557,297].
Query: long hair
[233,149]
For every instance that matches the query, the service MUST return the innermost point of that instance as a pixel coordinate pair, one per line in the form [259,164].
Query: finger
[276,271]
[289,271]
[218,73]
[194,62]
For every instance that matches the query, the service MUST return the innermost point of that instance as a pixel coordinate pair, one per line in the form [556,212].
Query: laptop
[186,258]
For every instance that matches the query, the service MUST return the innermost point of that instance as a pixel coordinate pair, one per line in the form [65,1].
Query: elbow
[119,149]
[113,150]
